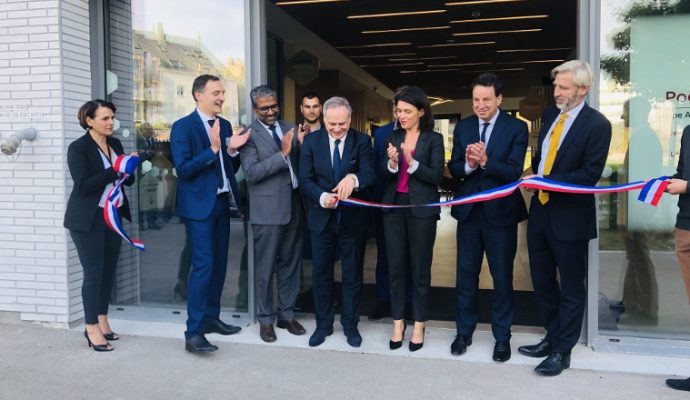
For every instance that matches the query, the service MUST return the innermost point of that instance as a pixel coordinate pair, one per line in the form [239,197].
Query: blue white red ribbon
[125,165]
[653,189]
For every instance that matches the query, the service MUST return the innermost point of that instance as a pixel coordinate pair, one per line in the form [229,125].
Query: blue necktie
[482,137]
[336,171]
[275,137]
[336,162]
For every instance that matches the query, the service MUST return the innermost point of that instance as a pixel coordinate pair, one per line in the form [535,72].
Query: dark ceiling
[444,58]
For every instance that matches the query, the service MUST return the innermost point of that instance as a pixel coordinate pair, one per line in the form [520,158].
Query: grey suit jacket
[268,177]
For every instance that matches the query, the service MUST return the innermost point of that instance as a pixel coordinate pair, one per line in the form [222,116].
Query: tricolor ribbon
[652,190]
[125,165]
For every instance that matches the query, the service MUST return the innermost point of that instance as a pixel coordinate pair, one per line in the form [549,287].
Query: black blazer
[90,179]
[424,182]
[316,177]
[505,163]
[580,160]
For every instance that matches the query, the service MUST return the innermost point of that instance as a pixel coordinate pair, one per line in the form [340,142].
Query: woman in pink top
[412,174]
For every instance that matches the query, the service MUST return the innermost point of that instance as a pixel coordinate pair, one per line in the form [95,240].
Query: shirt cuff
[356,180]
[413,167]
[322,199]
[391,170]
[235,154]
[468,169]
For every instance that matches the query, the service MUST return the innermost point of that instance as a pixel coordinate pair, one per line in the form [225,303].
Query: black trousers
[562,305]
[410,245]
[98,250]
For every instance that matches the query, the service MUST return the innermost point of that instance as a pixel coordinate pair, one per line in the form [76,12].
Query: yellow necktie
[551,154]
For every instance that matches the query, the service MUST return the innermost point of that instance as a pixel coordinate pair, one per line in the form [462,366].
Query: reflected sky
[220,23]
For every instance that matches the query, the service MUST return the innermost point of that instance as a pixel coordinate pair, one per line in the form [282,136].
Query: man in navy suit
[572,148]
[336,162]
[204,153]
[488,151]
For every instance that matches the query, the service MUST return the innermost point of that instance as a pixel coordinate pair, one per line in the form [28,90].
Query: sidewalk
[44,363]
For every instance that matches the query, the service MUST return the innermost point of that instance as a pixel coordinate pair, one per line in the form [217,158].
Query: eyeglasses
[265,109]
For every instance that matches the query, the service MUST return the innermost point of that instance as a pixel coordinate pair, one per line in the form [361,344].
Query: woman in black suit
[412,174]
[90,159]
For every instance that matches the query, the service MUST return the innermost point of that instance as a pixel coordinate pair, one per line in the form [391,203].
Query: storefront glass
[645,70]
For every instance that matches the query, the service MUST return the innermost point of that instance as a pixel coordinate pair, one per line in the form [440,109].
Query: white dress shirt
[279,132]
[572,114]
[226,183]
[487,136]
[341,148]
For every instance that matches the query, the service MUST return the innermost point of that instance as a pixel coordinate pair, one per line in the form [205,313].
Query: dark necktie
[336,161]
[275,137]
[482,137]
[336,171]
[219,167]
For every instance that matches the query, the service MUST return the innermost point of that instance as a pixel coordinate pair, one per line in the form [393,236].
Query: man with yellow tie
[572,148]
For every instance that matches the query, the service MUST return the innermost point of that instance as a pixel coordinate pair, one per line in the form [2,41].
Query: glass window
[154,57]
[644,73]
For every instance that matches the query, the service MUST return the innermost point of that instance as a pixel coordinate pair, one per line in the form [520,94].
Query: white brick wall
[44,78]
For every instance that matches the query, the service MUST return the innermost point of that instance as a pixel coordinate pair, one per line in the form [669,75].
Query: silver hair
[261,92]
[582,72]
[336,101]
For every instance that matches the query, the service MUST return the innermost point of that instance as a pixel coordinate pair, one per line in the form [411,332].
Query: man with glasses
[269,160]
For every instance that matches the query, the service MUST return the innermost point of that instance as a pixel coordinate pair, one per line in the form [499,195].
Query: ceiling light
[463,21]
[396,14]
[366,46]
[390,65]
[530,62]
[460,69]
[430,46]
[532,50]
[301,2]
[384,55]
[458,65]
[425,28]
[422,58]
[472,3]
[498,32]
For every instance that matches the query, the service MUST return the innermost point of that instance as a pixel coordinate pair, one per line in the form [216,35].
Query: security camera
[10,146]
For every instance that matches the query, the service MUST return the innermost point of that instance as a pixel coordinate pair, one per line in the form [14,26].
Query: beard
[569,104]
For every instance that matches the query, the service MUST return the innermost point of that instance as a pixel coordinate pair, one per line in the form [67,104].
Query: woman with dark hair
[90,159]
[412,175]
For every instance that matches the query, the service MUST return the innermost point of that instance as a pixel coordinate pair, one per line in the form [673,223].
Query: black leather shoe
[292,326]
[679,384]
[541,349]
[382,310]
[460,344]
[267,333]
[319,336]
[554,364]
[501,351]
[199,344]
[218,326]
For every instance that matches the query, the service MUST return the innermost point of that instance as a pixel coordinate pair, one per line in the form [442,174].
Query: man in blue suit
[204,153]
[335,163]
[572,148]
[488,151]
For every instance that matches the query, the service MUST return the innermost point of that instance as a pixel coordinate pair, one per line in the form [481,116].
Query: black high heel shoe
[416,346]
[98,347]
[111,336]
[396,345]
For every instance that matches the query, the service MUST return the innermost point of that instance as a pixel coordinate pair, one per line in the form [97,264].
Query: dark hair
[488,79]
[309,95]
[88,110]
[417,97]
[200,83]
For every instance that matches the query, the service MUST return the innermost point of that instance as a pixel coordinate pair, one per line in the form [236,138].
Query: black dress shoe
[292,326]
[679,384]
[354,339]
[319,336]
[199,344]
[541,349]
[460,344]
[267,333]
[382,310]
[112,336]
[218,326]
[554,364]
[501,351]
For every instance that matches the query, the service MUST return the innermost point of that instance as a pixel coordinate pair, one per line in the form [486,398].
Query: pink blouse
[404,177]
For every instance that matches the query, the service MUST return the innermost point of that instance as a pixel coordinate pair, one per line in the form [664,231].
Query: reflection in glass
[640,289]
